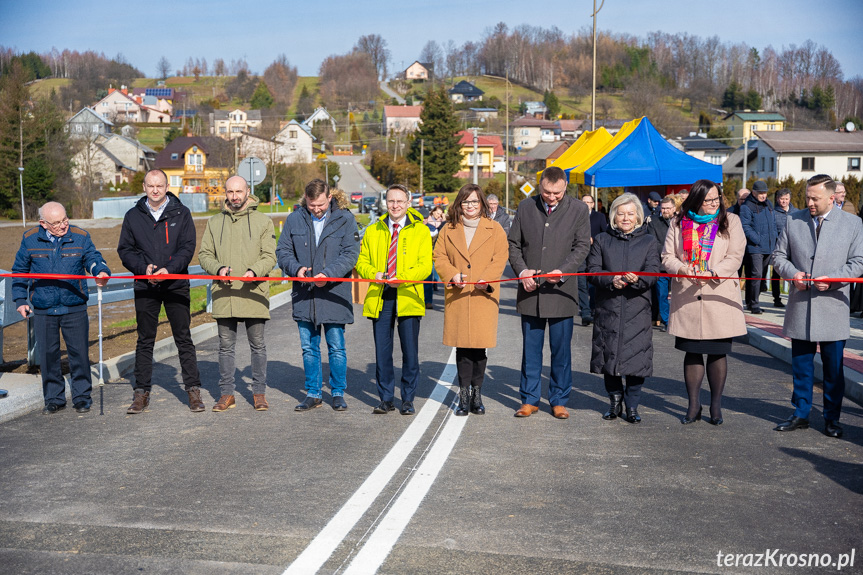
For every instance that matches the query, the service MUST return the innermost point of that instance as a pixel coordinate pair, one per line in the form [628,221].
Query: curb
[25,391]
[780,348]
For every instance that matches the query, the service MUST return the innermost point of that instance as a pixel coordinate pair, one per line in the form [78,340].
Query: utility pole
[475,155]
[593,88]
[21,165]
[422,153]
[506,147]
[745,159]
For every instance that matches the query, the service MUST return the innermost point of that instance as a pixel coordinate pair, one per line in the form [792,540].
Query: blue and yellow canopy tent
[584,147]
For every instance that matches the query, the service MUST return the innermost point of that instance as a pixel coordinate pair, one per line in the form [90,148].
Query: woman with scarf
[706,244]
[622,336]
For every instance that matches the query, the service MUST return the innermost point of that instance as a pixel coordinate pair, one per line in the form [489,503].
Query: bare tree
[376,47]
[163,67]
[432,54]
[219,67]
[281,78]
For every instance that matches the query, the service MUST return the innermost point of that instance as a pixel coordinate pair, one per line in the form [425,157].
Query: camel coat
[712,310]
[470,314]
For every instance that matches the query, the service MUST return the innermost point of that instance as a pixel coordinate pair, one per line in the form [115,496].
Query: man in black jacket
[158,238]
[657,226]
[598,224]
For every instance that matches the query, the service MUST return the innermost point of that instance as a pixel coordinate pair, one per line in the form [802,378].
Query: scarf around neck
[698,238]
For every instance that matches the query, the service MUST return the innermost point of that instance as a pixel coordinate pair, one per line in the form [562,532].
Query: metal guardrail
[118,289]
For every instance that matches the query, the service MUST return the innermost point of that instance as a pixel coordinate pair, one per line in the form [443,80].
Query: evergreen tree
[732,98]
[442,153]
[752,100]
[262,98]
[305,105]
[551,102]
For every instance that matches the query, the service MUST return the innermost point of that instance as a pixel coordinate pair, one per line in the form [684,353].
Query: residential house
[733,166]
[197,164]
[320,115]
[95,164]
[132,153]
[570,129]
[291,145]
[488,149]
[701,147]
[744,123]
[87,124]
[526,132]
[118,106]
[464,91]
[545,153]
[611,125]
[482,114]
[535,109]
[419,71]
[161,98]
[230,124]
[801,155]
[401,119]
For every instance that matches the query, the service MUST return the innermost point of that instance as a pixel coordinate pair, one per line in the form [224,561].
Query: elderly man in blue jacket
[56,247]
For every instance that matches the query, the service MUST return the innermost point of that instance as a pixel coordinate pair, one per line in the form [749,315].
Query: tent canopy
[639,156]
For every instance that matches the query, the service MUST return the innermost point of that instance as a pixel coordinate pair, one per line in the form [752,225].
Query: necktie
[391,258]
[818,227]
[549,210]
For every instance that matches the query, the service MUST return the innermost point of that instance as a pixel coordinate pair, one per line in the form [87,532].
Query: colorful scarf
[698,241]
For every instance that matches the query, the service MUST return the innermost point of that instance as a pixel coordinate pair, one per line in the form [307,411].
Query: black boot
[463,401]
[476,406]
[615,406]
[632,415]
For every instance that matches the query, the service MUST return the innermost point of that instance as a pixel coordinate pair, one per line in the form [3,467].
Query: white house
[703,148]
[230,125]
[401,119]
[527,132]
[801,155]
[119,106]
[291,145]
[87,124]
[320,115]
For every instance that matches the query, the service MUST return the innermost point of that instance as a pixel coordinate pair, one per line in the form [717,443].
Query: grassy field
[41,89]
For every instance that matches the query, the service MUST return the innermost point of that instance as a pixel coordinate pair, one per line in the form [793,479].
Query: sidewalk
[25,390]
[765,333]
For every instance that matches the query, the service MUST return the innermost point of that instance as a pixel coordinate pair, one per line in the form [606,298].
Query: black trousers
[148,303]
[756,267]
[470,363]
[632,392]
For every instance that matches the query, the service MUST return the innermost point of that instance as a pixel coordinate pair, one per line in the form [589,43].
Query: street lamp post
[21,182]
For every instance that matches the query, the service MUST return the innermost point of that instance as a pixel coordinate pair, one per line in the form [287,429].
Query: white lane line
[381,542]
[331,536]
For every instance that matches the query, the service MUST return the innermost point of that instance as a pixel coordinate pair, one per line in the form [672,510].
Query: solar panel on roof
[159,92]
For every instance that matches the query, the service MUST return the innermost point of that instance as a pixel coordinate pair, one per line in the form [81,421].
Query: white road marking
[331,536]
[381,542]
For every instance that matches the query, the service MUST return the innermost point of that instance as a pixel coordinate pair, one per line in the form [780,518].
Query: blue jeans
[803,368]
[660,290]
[76,328]
[560,339]
[310,341]
[409,334]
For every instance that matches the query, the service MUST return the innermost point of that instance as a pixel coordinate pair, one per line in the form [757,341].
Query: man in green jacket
[240,241]
[397,246]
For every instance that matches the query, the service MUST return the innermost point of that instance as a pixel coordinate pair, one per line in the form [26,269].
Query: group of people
[698,243]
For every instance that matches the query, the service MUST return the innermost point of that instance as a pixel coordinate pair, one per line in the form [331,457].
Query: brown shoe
[526,410]
[225,402]
[139,402]
[559,412]
[195,403]
[260,402]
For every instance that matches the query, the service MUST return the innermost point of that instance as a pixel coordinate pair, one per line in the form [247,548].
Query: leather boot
[195,403]
[463,401]
[615,406]
[260,400]
[139,402]
[476,406]
[632,415]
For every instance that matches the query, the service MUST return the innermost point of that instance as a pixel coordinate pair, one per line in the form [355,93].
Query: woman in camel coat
[707,312]
[470,248]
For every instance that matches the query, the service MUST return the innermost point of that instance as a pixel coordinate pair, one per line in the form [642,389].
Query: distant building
[744,123]
[197,164]
[87,124]
[464,91]
[230,124]
[401,119]
[119,107]
[420,71]
[545,153]
[535,109]
[526,132]
[291,145]
[801,155]
[320,115]
[161,98]
[703,148]
[571,129]
[489,149]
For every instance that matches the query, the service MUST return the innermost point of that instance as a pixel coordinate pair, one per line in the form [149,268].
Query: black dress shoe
[712,421]
[309,403]
[778,304]
[686,420]
[339,403]
[792,424]
[52,408]
[632,415]
[832,429]
[82,407]
[408,408]
[585,321]
[384,407]
[756,311]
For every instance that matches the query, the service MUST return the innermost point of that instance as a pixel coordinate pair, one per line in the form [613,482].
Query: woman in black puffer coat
[622,336]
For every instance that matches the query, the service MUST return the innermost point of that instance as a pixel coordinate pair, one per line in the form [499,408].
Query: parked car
[428,202]
[368,204]
[356,197]
[416,199]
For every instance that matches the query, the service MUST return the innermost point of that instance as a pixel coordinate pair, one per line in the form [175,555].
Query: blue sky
[308,32]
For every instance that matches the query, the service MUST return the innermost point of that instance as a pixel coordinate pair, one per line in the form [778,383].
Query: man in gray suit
[817,245]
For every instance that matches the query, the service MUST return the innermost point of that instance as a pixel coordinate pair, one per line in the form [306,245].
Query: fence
[117,207]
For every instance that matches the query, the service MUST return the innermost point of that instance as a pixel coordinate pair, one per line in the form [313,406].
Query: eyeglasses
[60,224]
[397,202]
[711,200]
[470,203]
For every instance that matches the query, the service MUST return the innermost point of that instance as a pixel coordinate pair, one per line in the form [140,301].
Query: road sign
[336,179]
[252,170]
[526,189]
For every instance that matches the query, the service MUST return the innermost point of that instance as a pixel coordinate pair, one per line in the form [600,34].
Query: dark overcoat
[559,241]
[622,334]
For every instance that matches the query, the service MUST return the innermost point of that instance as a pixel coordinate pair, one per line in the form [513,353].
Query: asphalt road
[169,491]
